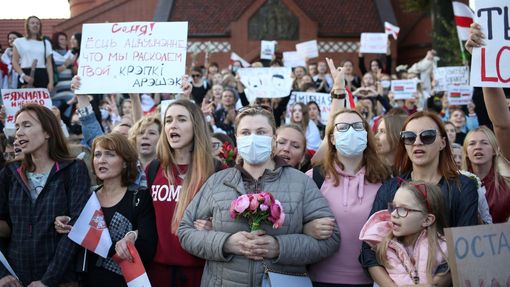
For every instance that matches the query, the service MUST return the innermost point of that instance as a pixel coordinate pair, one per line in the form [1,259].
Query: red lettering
[498,64]
[114,28]
[484,76]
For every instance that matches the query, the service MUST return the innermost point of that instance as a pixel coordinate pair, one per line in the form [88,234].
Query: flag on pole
[463,18]
[90,230]
[234,57]
[134,272]
[7,266]
[391,29]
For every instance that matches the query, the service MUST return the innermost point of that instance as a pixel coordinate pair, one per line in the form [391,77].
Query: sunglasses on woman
[426,137]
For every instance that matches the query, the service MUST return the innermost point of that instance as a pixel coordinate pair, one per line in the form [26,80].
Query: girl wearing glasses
[424,154]
[409,238]
[236,257]
[352,174]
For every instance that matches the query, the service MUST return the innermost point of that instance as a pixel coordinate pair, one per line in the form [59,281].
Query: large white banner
[450,76]
[15,99]
[273,82]
[373,43]
[490,64]
[132,57]
[322,99]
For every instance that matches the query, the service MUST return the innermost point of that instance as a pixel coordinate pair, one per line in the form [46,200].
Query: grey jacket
[301,201]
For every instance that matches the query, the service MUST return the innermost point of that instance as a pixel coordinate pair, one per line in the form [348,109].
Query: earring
[124,165]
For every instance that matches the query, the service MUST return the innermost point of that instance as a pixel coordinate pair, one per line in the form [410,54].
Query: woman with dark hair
[352,80]
[127,209]
[75,48]
[314,112]
[31,58]
[11,79]
[226,115]
[424,154]
[299,116]
[63,59]
[33,192]
[387,136]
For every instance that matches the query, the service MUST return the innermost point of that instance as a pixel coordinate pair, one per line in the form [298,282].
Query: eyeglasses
[256,108]
[426,137]
[343,127]
[216,145]
[402,212]
[196,75]
[9,155]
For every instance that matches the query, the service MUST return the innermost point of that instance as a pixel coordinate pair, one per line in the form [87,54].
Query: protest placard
[373,43]
[15,99]
[267,49]
[322,99]
[275,82]
[450,76]
[293,59]
[308,49]
[479,254]
[403,89]
[459,95]
[132,57]
[490,64]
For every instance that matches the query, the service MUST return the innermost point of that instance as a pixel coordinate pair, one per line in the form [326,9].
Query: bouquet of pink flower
[258,208]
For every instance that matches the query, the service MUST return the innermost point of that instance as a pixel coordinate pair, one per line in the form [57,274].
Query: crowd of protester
[385,177]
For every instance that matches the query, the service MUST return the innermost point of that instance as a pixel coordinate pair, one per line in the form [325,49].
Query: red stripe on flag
[130,270]
[91,239]
[351,98]
[463,21]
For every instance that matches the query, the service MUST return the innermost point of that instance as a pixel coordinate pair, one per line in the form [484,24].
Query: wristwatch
[337,95]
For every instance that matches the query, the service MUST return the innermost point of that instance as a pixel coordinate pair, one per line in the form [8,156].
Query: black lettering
[489,18]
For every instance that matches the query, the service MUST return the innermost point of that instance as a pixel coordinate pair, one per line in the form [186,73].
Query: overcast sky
[21,9]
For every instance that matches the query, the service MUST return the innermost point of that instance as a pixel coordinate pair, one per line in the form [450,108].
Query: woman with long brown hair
[33,192]
[424,154]
[184,162]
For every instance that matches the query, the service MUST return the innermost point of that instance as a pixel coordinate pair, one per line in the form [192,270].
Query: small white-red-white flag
[134,272]
[391,29]
[463,18]
[234,57]
[90,230]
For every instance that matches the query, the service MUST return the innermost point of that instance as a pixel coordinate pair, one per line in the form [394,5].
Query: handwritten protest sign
[459,95]
[322,99]
[403,89]
[293,59]
[15,99]
[373,43]
[308,49]
[133,57]
[490,64]
[479,254]
[266,82]
[267,49]
[450,76]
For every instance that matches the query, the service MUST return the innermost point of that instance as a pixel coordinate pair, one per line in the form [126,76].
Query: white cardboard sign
[374,43]
[450,76]
[403,89]
[133,57]
[267,49]
[275,82]
[293,59]
[459,95]
[308,49]
[490,64]
[322,99]
[15,99]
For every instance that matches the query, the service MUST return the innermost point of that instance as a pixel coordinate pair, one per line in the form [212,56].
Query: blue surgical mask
[255,149]
[351,143]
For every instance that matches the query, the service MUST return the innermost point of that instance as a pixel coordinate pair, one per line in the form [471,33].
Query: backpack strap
[317,176]
[151,172]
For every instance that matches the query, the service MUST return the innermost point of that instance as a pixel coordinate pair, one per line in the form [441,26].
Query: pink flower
[241,203]
[277,216]
[254,202]
[264,207]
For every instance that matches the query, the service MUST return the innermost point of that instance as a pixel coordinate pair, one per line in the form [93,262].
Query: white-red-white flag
[234,57]
[134,272]
[391,29]
[90,230]
[463,18]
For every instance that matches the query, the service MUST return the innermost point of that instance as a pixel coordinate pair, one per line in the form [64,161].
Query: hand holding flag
[134,272]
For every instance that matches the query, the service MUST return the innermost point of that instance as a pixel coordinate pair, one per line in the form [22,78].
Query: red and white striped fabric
[134,272]
[391,29]
[463,18]
[90,230]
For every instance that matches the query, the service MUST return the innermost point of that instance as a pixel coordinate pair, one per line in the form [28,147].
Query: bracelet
[131,232]
[339,96]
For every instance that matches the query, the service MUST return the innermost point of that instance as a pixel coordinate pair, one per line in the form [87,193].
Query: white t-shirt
[29,50]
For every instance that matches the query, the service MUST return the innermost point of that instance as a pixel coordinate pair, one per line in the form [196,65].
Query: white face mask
[351,143]
[255,149]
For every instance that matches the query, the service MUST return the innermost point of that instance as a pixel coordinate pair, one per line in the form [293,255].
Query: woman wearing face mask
[46,183]
[424,153]
[184,162]
[236,257]
[351,173]
[299,116]
[33,49]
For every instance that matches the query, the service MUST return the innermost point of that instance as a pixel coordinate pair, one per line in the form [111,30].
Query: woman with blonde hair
[481,156]
[388,135]
[144,135]
[184,162]
[349,176]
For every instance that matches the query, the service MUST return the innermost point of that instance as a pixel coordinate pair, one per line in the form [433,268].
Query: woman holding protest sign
[32,57]
[33,192]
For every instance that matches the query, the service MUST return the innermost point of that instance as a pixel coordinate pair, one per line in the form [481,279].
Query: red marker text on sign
[26,96]
[140,30]
[499,64]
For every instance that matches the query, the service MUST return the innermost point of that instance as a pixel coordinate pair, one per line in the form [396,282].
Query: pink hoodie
[351,202]
[403,270]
